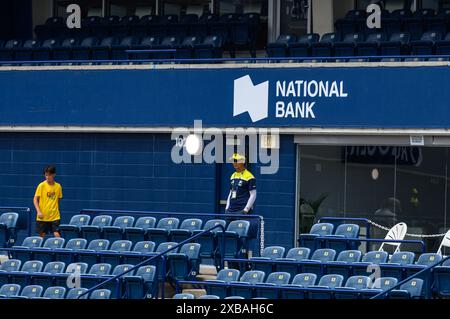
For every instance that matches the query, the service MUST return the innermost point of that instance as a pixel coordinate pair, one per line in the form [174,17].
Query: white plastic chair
[444,243]
[398,232]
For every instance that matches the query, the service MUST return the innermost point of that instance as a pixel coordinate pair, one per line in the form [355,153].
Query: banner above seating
[329,97]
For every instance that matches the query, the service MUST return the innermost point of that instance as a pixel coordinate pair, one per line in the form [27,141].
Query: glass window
[178,7]
[88,7]
[294,17]
[131,7]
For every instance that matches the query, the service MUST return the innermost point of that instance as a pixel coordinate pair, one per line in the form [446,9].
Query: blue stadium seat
[8,266]
[325,47]
[413,289]
[264,262]
[187,228]
[279,48]
[290,262]
[47,30]
[73,268]
[124,26]
[342,265]
[140,252]
[162,231]
[55,267]
[164,49]
[295,289]
[145,25]
[245,31]
[234,238]
[380,285]
[415,25]
[45,279]
[325,287]
[29,267]
[45,50]
[208,241]
[88,255]
[102,51]
[224,277]
[302,47]
[114,253]
[31,291]
[370,47]
[100,294]
[118,51]
[201,28]
[139,231]
[317,230]
[9,290]
[354,21]
[372,257]
[95,229]
[425,46]
[67,254]
[352,288]
[60,53]
[244,287]
[396,265]
[25,52]
[222,27]
[7,52]
[83,51]
[210,48]
[317,262]
[46,252]
[23,252]
[397,44]
[116,286]
[185,50]
[183,296]
[348,231]
[8,222]
[116,231]
[425,260]
[72,230]
[75,292]
[270,289]
[439,22]
[101,269]
[104,28]
[208,297]
[57,292]
[443,46]
[147,43]
[184,264]
[347,47]
[142,285]
[441,275]
[181,29]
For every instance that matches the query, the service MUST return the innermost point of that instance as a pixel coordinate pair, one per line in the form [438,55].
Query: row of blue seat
[355,44]
[138,284]
[253,284]
[113,48]
[8,224]
[15,291]
[415,23]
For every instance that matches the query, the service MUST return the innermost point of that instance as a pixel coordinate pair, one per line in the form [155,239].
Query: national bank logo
[251,98]
[296,99]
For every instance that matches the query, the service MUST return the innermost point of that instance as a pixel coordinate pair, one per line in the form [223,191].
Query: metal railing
[429,268]
[160,255]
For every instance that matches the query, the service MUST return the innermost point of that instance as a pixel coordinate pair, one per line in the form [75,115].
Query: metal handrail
[217,60]
[429,268]
[152,258]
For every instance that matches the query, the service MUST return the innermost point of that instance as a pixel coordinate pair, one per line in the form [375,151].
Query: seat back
[55,267]
[76,243]
[49,43]
[431,36]
[77,267]
[184,296]
[54,243]
[145,222]
[213,40]
[401,13]
[329,38]
[273,252]
[147,273]
[414,287]
[309,38]
[149,19]
[10,290]
[57,292]
[324,255]
[89,42]
[298,253]
[119,269]
[402,37]
[376,37]
[358,282]
[170,41]
[11,44]
[353,37]
[101,221]
[169,19]
[375,257]
[100,294]
[168,223]
[11,265]
[129,20]
[191,224]
[80,220]
[286,39]
[121,245]
[128,41]
[32,266]
[305,280]
[99,244]
[228,275]
[32,242]
[278,278]
[213,222]
[402,258]
[240,227]
[322,229]
[9,219]
[385,283]
[253,276]
[429,259]
[29,44]
[100,269]
[191,250]
[348,230]
[75,292]
[349,256]
[124,221]
[331,281]
[165,246]
[68,43]
[144,247]
[32,291]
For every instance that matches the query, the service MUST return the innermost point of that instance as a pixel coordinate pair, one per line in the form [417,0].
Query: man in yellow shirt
[46,201]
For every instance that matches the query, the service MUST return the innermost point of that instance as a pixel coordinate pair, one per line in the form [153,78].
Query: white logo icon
[251,98]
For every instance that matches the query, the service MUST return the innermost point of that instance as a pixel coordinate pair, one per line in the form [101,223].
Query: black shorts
[47,227]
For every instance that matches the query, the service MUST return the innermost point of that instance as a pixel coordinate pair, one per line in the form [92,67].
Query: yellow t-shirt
[49,196]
